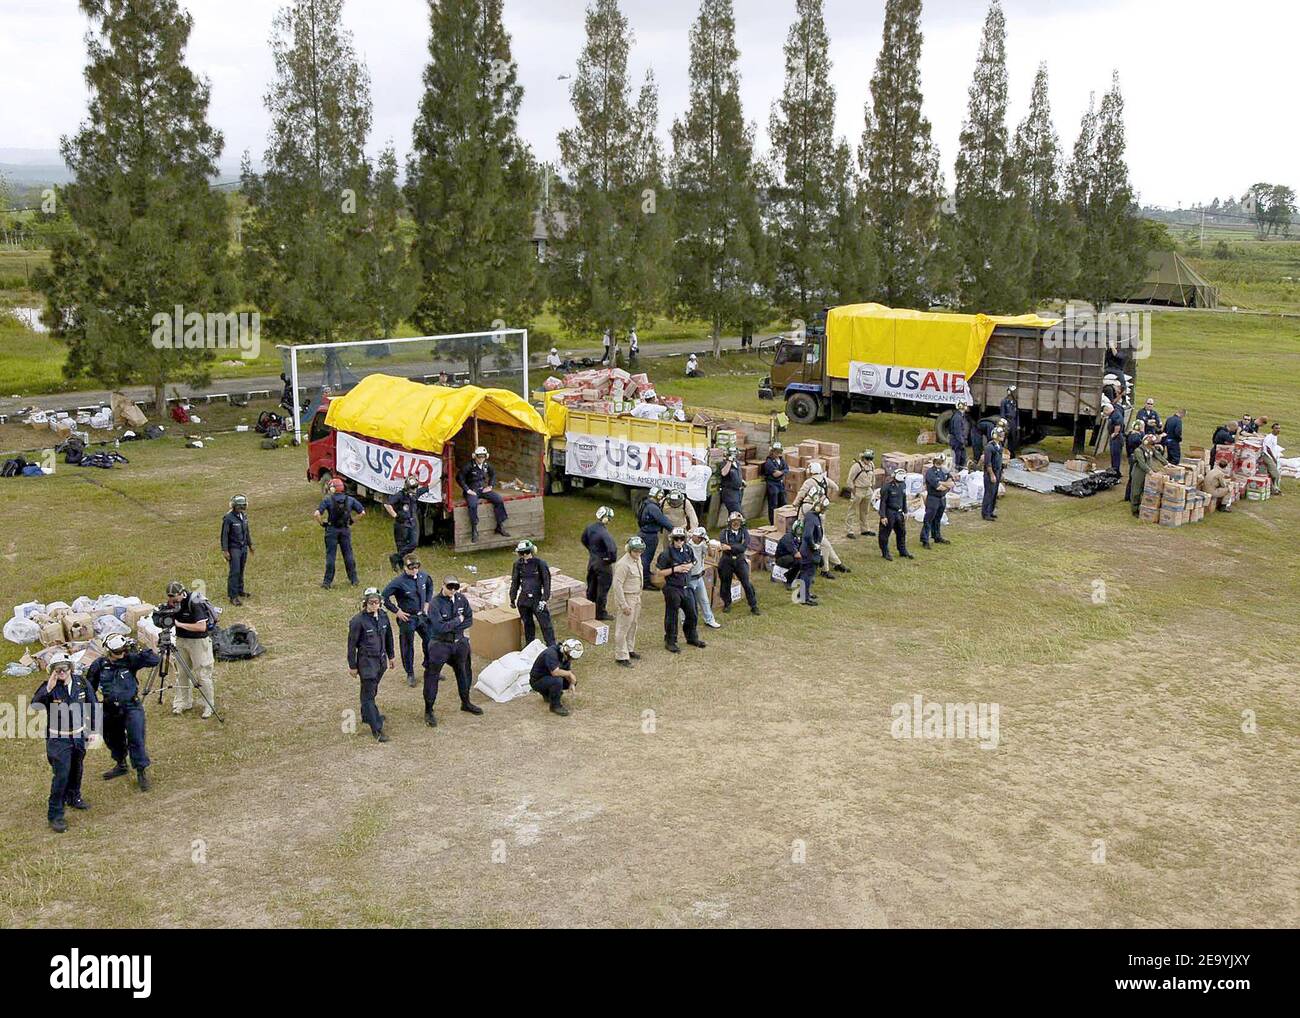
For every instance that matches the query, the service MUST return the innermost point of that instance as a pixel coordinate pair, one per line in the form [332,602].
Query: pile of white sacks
[507,676]
[79,628]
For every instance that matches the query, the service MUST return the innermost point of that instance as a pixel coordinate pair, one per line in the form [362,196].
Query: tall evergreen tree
[598,259]
[851,268]
[1115,245]
[147,232]
[303,250]
[1040,184]
[471,183]
[900,166]
[992,227]
[720,253]
[650,266]
[390,279]
[802,132]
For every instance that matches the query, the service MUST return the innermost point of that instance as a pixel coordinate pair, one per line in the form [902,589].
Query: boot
[429,719]
[58,825]
[887,557]
[840,567]
[79,803]
[851,537]
[925,544]
[753,610]
[235,601]
[697,643]
[501,529]
[117,771]
[623,663]
[942,540]
[634,655]
[381,736]
[672,648]
[410,679]
[906,554]
[827,574]
[470,708]
[142,778]
[560,709]
[473,534]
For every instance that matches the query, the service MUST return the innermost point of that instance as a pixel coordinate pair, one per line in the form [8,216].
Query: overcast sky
[1210,87]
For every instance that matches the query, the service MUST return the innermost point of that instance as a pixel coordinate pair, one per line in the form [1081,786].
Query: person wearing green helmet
[236,546]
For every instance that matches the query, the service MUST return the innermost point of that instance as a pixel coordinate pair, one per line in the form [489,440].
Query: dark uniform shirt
[70,708]
[771,467]
[546,663]
[1115,420]
[810,545]
[893,498]
[674,556]
[993,460]
[734,479]
[339,508]
[934,477]
[959,429]
[651,519]
[1174,430]
[405,504]
[735,542]
[449,617]
[1222,436]
[116,680]
[475,478]
[601,549]
[1149,418]
[235,532]
[412,593]
[370,637]
[530,578]
[788,545]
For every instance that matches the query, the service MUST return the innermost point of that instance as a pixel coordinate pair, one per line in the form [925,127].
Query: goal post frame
[295,348]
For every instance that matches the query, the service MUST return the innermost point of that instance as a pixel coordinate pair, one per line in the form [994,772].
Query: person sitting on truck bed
[1011,414]
[959,436]
[773,472]
[478,481]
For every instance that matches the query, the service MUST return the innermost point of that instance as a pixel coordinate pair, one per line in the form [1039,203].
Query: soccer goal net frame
[295,349]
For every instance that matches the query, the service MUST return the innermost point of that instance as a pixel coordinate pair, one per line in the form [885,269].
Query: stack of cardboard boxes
[1173,495]
[605,390]
[497,628]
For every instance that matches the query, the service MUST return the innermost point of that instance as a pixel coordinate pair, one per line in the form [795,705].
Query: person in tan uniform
[817,487]
[861,484]
[1218,488]
[625,596]
[680,512]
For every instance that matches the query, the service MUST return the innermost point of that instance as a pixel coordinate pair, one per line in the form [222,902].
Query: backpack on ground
[236,643]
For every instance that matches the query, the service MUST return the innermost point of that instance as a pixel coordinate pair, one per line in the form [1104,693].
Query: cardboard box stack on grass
[497,628]
[1176,495]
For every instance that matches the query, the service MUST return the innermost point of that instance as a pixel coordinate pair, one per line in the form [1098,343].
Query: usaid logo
[868,378]
[75,971]
[587,454]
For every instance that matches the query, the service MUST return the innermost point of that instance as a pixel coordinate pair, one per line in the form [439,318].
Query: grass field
[752,783]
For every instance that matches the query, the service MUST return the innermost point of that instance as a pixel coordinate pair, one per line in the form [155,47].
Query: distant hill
[37,167]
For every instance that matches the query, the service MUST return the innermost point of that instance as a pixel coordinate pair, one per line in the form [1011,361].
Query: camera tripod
[167,660]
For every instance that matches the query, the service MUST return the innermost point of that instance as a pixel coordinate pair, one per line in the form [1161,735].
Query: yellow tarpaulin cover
[557,416]
[875,334]
[425,417]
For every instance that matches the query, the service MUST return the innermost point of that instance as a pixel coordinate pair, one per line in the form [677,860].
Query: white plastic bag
[21,631]
[147,633]
[27,609]
[106,625]
[83,605]
[500,679]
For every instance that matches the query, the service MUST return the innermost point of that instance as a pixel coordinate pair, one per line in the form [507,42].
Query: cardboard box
[580,610]
[591,632]
[1035,461]
[808,449]
[1082,466]
[1169,517]
[1148,514]
[927,438]
[784,517]
[828,450]
[495,632]
[749,471]
[78,626]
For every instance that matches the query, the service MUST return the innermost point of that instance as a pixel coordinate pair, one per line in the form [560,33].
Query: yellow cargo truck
[868,358]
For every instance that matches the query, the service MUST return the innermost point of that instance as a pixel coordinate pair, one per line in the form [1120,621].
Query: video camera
[164,617]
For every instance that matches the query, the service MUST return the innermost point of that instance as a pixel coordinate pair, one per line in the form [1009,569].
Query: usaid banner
[638,464]
[924,385]
[380,468]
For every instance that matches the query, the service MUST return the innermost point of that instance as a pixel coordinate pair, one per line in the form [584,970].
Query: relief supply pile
[78,629]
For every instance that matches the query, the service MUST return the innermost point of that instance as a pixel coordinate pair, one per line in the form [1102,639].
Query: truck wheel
[941,426]
[803,408]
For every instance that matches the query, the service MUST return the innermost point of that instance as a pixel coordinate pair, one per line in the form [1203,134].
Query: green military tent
[1171,281]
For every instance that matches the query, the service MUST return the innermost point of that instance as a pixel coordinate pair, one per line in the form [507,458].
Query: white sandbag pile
[507,676]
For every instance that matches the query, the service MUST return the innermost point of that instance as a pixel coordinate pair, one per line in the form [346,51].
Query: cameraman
[194,619]
[114,678]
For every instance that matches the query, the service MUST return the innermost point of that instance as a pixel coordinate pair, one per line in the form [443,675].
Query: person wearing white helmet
[679,510]
[991,464]
[114,678]
[370,654]
[810,549]
[735,546]
[70,706]
[530,590]
[674,565]
[959,435]
[236,546]
[553,360]
[893,516]
[862,486]
[552,673]
[692,366]
[816,487]
[773,472]
[478,481]
[697,543]
[626,588]
[651,521]
[602,553]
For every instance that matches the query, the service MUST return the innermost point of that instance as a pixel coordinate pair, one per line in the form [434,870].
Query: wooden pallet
[526,519]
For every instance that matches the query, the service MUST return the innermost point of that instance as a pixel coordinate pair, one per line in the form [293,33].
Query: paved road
[100,397]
